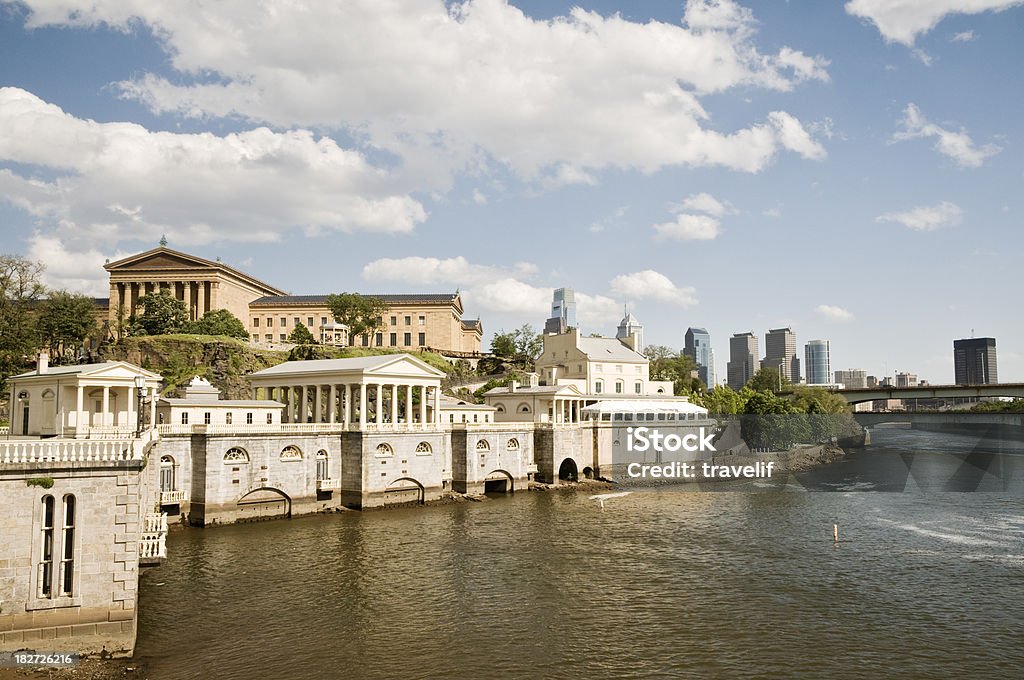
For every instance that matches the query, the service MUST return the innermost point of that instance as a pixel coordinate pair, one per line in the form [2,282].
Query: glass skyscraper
[698,347]
[817,362]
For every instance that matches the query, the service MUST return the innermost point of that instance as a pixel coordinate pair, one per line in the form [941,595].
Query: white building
[598,366]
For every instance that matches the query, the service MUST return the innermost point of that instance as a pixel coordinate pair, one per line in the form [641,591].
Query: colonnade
[567,410]
[368,405]
[200,296]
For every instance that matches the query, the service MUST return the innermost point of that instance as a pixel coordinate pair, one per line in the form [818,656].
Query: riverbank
[85,669]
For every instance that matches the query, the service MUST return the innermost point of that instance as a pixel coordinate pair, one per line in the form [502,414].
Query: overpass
[856,396]
[946,419]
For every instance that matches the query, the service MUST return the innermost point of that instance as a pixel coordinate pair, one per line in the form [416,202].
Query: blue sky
[850,169]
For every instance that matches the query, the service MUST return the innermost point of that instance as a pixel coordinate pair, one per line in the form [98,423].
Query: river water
[740,582]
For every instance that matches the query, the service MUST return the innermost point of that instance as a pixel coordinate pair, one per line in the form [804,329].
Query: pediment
[406,366]
[161,258]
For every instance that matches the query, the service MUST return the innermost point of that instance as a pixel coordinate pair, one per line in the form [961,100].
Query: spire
[163,241]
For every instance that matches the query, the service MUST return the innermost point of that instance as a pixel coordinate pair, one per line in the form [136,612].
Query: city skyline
[747,174]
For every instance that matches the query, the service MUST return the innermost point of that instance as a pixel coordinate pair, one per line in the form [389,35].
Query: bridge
[944,420]
[858,395]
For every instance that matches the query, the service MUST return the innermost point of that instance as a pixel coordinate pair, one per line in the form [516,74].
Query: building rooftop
[321,300]
[609,349]
[349,365]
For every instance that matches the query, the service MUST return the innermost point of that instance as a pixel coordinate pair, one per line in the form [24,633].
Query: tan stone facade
[412,321]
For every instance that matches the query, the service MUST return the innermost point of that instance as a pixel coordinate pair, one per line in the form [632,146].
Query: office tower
[697,346]
[817,362]
[563,311]
[627,327]
[743,362]
[780,353]
[974,361]
[854,378]
[906,379]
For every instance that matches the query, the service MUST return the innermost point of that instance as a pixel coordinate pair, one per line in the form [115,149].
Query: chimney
[514,386]
[43,365]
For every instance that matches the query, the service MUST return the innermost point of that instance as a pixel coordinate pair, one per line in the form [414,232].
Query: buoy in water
[835,533]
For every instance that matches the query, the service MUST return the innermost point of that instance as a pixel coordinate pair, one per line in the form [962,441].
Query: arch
[513,444]
[500,408]
[588,473]
[264,503]
[523,408]
[236,454]
[291,452]
[321,454]
[48,393]
[424,448]
[661,390]
[567,471]
[498,481]
[323,469]
[404,491]
[384,449]
[483,445]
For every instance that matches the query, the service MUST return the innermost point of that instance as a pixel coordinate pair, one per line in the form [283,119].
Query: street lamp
[140,388]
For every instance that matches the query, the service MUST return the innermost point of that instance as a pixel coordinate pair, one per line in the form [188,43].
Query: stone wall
[485,454]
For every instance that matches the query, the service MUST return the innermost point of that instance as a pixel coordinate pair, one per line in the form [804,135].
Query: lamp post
[140,388]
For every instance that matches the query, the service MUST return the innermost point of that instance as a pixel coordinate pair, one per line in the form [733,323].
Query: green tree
[723,400]
[523,345]
[771,422]
[300,335]
[504,345]
[65,321]
[220,322]
[161,315]
[668,364]
[768,379]
[20,290]
[362,314]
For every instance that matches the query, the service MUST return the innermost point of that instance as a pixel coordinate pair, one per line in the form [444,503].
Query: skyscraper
[627,327]
[698,347]
[780,353]
[743,359]
[974,361]
[563,311]
[817,362]
[853,378]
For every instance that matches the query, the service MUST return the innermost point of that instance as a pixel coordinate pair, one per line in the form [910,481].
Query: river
[670,582]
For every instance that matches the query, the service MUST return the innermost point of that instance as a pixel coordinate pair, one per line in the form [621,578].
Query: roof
[539,390]
[698,330]
[321,300]
[608,349]
[645,406]
[451,404]
[189,259]
[629,320]
[87,369]
[238,403]
[471,323]
[349,365]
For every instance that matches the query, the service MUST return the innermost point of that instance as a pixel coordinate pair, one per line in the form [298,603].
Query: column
[201,300]
[106,406]
[408,405]
[394,405]
[423,406]
[132,417]
[304,405]
[379,391]
[80,407]
[347,395]
[187,292]
[362,406]
[437,406]
[317,410]
[152,407]
[332,413]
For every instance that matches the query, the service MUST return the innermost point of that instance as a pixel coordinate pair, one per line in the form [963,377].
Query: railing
[172,497]
[293,428]
[69,450]
[327,484]
[153,543]
[4,430]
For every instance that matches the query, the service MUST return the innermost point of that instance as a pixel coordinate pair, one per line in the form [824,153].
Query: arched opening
[567,471]
[264,503]
[588,473]
[167,482]
[498,482]
[404,491]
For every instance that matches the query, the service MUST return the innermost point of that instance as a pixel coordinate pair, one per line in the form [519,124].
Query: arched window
[67,554]
[523,408]
[482,445]
[423,447]
[45,585]
[166,473]
[236,455]
[499,409]
[291,453]
[513,444]
[385,450]
[323,470]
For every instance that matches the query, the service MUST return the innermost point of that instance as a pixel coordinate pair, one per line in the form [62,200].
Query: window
[235,455]
[598,387]
[523,408]
[309,321]
[451,417]
[184,418]
[379,340]
[166,473]
[366,340]
[423,320]
[618,368]
[284,321]
[499,408]
[639,388]
[408,321]
[248,418]
[297,321]
[407,338]
[323,320]
[639,370]
[270,419]
[67,559]
[513,444]
[270,322]
[483,445]
[228,418]
[394,321]
[269,337]
[284,337]
[475,418]
[394,339]
[256,322]
[618,387]
[322,466]
[423,447]
[291,453]
[385,450]
[597,368]
[255,337]
[421,339]
[46,550]
[206,418]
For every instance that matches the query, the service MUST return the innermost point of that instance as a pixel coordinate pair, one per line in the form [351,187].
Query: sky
[850,169]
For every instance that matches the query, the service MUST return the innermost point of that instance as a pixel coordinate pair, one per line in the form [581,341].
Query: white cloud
[649,284]
[706,203]
[834,313]
[926,218]
[80,271]
[955,145]
[479,198]
[687,227]
[963,36]
[554,100]
[119,181]
[903,20]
